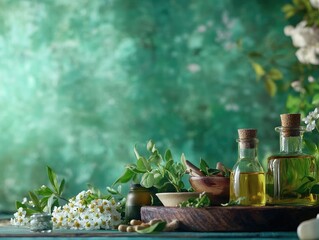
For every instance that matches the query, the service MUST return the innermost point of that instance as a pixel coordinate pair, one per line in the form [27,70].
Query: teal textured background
[82,82]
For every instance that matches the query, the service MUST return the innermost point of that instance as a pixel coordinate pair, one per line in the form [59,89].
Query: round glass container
[41,222]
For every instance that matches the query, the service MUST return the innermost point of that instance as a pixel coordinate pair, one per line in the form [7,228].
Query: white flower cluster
[311,119]
[314,3]
[20,218]
[307,40]
[79,214]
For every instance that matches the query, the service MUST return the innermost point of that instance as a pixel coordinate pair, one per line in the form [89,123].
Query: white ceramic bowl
[173,199]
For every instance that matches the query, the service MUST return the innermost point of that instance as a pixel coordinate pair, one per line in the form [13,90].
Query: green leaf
[315,189]
[183,160]
[201,201]
[270,87]
[157,178]
[127,176]
[143,165]
[311,147]
[304,188]
[61,188]
[50,202]
[150,146]
[35,200]
[147,180]
[20,204]
[259,70]
[137,155]
[315,99]
[274,74]
[157,227]
[155,158]
[30,211]
[293,103]
[44,191]
[213,171]
[203,166]
[255,54]
[53,179]
[168,155]
[169,164]
[289,10]
[112,190]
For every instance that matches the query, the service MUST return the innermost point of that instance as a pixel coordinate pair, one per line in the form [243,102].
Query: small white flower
[193,68]
[307,40]
[20,218]
[311,79]
[311,119]
[78,214]
[315,3]
[296,85]
[201,28]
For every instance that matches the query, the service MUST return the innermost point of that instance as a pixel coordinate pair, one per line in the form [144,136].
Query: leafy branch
[44,198]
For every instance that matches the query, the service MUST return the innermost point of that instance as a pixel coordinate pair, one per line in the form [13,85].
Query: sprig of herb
[44,198]
[201,201]
[156,170]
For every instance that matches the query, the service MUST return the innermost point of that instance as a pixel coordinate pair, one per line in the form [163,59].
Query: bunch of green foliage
[302,9]
[44,198]
[156,171]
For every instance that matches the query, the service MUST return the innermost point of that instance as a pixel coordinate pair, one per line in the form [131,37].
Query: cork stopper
[290,124]
[247,133]
[247,137]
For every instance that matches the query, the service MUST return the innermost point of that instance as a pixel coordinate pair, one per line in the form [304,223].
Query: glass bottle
[247,179]
[291,173]
[137,197]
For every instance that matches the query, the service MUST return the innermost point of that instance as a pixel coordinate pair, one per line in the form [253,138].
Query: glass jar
[247,179]
[41,222]
[291,173]
[137,197]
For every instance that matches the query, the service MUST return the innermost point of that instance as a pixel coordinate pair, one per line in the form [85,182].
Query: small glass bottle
[41,222]
[247,179]
[137,197]
[291,173]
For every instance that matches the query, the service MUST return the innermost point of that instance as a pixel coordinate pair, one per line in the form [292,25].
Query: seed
[134,222]
[130,229]
[122,228]
[145,224]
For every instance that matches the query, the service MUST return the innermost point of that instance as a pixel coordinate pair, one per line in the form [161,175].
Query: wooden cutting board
[234,218]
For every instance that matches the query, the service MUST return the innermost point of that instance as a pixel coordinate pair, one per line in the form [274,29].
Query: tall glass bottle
[291,173]
[247,179]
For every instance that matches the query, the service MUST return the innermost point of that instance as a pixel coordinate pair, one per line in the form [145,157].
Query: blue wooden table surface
[12,232]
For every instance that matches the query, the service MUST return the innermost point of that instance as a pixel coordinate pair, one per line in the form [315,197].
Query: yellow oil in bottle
[289,179]
[248,188]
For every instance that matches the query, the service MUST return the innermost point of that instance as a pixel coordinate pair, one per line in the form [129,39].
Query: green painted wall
[83,81]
